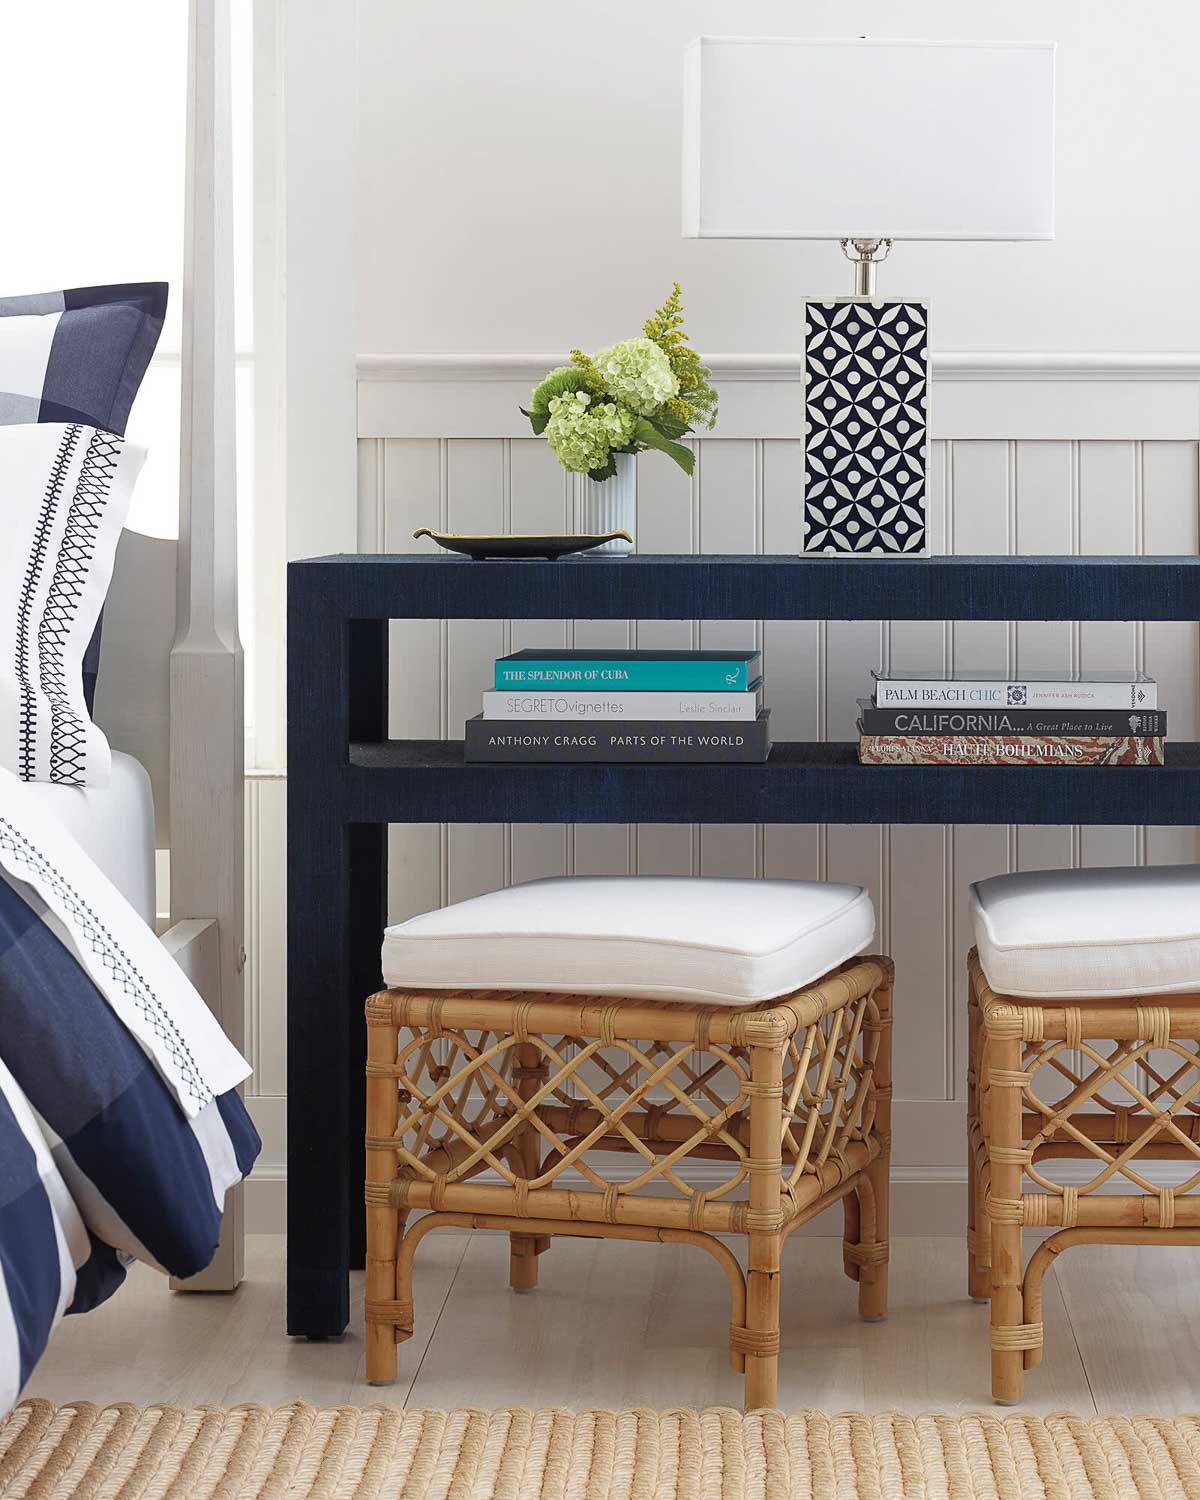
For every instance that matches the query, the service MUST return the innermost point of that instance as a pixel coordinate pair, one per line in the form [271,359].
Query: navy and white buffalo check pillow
[78,355]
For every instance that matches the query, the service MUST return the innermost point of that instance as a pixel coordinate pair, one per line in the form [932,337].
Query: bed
[121,1128]
[107,1150]
[114,825]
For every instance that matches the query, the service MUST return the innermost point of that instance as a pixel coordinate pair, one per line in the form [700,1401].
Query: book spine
[1052,721]
[633,707]
[602,675]
[516,741]
[1131,696]
[1010,750]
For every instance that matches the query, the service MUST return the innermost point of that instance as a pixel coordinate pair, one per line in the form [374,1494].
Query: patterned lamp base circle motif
[866,381]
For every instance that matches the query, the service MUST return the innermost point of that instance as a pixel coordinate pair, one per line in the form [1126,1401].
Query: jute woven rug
[155,1452]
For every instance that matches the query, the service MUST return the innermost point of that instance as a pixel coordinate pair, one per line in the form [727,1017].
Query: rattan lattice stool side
[1109,1082]
[795,1095]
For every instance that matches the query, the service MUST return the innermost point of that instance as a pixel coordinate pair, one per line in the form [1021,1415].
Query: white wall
[519,179]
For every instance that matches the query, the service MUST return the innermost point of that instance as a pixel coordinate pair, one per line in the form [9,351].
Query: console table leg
[367,720]
[337,694]
[367,917]
[318,1247]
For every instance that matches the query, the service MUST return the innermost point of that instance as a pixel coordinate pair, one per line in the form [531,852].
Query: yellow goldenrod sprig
[697,401]
[583,362]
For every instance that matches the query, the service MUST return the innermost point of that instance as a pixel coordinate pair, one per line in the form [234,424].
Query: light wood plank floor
[618,1325]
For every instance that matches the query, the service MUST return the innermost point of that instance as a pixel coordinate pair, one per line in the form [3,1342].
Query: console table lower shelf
[407,781]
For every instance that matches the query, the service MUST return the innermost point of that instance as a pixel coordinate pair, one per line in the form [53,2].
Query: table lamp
[868,143]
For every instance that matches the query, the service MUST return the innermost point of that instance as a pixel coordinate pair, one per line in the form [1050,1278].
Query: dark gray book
[518,741]
[1045,721]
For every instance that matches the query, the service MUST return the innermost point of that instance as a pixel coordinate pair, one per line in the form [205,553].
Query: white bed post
[207,744]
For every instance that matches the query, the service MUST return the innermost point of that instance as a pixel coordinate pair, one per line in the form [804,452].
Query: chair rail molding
[950,365]
[974,395]
[1031,453]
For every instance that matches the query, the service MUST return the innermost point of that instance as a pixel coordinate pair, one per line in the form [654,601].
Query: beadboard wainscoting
[1030,454]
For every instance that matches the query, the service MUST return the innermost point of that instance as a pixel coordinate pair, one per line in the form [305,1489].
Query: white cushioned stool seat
[1080,934]
[721,942]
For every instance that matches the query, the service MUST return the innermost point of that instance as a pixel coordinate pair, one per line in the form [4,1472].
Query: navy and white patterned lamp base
[866,379]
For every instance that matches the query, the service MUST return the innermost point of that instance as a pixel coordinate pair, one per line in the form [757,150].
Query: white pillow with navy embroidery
[64,495]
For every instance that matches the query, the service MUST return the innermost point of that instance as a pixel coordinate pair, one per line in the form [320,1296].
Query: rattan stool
[1108,1082]
[795,1094]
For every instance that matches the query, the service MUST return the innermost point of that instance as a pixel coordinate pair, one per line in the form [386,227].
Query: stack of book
[622,706]
[1050,719]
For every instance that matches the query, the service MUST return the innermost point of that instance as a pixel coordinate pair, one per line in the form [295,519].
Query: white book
[1069,690]
[671,708]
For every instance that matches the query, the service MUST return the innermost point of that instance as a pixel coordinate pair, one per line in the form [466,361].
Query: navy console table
[347,781]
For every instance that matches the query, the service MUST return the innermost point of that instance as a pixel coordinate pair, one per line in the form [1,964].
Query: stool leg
[873,1277]
[1004,1141]
[978,1282]
[524,1249]
[851,1233]
[762,1280]
[383,1222]
[522,1262]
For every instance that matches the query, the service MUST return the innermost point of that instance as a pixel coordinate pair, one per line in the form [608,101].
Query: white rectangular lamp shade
[861,139]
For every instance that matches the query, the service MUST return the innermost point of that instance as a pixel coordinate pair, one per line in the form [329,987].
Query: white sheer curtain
[92,108]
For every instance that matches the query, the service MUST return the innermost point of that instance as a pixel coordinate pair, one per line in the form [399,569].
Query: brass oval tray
[548,547]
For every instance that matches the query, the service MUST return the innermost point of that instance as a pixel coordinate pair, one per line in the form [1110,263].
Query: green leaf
[668,424]
[607,470]
[649,435]
[537,420]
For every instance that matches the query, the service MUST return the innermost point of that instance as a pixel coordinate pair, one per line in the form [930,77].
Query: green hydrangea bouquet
[644,392]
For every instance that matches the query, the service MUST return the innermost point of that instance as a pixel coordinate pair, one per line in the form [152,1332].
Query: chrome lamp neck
[865,255]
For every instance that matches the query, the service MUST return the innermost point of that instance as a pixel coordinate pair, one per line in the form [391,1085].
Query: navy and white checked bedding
[111,1149]
[79,355]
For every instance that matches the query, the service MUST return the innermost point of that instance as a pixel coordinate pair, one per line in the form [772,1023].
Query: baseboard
[266,1200]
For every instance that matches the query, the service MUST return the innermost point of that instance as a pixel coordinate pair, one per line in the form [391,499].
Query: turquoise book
[641,671]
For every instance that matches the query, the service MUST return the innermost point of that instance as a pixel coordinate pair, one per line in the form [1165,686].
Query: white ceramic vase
[611,504]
